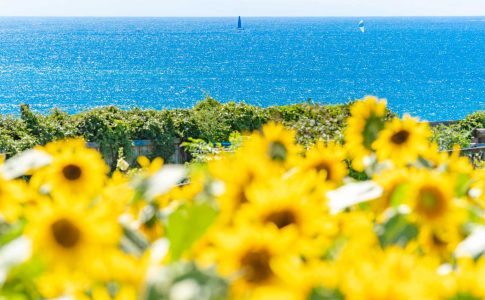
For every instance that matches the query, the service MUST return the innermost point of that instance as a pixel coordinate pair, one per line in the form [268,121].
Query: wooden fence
[475,154]
[446,123]
[144,148]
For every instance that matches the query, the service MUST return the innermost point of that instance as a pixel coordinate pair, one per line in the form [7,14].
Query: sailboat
[239,24]
[361,26]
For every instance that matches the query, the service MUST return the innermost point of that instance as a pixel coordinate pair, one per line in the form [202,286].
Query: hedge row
[113,128]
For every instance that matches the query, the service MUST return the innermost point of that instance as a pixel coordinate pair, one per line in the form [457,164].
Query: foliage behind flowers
[267,220]
[211,121]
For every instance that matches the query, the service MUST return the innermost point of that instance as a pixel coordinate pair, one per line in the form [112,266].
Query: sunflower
[328,160]
[274,145]
[440,240]
[289,208]
[248,255]
[75,170]
[71,238]
[366,121]
[237,173]
[282,205]
[402,141]
[432,198]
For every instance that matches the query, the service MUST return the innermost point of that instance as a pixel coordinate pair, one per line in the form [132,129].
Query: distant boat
[361,26]
[239,24]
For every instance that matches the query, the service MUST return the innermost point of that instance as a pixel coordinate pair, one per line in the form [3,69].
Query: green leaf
[325,294]
[187,224]
[20,283]
[462,185]
[372,127]
[334,250]
[397,231]
[464,296]
[11,232]
[399,195]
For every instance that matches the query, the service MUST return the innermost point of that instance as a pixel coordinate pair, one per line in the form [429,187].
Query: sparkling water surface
[433,68]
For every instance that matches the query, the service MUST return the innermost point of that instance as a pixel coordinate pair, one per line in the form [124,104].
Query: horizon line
[246,16]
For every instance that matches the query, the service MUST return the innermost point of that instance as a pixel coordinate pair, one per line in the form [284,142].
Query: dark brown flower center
[256,266]
[72,172]
[400,137]
[65,233]
[438,241]
[277,151]
[241,197]
[281,218]
[324,166]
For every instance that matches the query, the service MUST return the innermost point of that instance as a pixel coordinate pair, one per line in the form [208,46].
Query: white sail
[361,26]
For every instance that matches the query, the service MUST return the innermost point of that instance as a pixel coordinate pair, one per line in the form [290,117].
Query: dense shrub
[446,136]
[459,133]
[313,121]
[475,120]
[209,120]
[157,126]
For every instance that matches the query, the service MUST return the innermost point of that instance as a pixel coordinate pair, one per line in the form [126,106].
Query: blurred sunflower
[402,141]
[328,160]
[248,255]
[75,170]
[237,175]
[69,238]
[440,240]
[284,205]
[363,126]
[432,198]
[274,144]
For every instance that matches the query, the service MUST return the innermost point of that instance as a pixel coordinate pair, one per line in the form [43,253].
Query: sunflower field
[268,219]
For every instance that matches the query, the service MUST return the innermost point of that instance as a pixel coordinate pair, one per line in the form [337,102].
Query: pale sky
[242,7]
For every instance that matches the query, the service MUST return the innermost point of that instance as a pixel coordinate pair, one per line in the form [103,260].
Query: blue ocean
[433,68]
